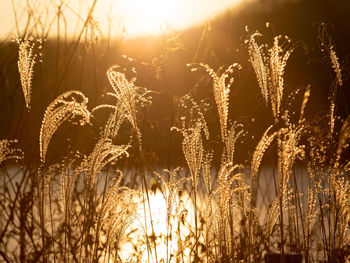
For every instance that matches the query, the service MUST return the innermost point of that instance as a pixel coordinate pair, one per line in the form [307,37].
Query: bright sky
[137,17]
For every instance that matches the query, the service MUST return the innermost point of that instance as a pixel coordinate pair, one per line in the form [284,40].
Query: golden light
[148,16]
[144,17]
[133,17]
[135,235]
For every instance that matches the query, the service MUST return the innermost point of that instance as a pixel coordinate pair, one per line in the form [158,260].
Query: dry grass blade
[192,144]
[339,189]
[269,65]
[231,197]
[260,149]
[68,179]
[258,60]
[192,147]
[233,134]
[278,60]
[289,150]
[67,106]
[310,217]
[305,100]
[114,123]
[27,59]
[171,189]
[221,90]
[328,47]
[206,170]
[344,136]
[228,184]
[124,91]
[8,152]
[129,98]
[117,212]
[192,115]
[274,213]
[103,153]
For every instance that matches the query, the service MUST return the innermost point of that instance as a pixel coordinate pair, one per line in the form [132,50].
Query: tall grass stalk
[93,215]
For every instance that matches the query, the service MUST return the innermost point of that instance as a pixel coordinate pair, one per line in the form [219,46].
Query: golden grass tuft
[221,90]
[68,106]
[7,151]
[27,58]
[94,214]
[269,64]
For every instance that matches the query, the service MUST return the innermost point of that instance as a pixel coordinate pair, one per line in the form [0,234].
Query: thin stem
[195,222]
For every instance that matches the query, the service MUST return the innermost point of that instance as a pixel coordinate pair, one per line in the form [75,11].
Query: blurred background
[84,38]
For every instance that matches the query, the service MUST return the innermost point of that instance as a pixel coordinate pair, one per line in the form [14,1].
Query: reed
[85,207]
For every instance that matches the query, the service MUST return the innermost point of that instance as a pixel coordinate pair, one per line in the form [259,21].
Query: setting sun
[142,17]
[150,16]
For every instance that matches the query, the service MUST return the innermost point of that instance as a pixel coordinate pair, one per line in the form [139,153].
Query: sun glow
[144,17]
[150,16]
[130,17]
[135,241]
[154,13]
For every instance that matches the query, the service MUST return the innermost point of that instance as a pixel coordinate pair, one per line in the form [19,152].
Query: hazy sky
[137,17]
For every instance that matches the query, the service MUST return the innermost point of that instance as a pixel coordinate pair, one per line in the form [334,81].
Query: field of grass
[80,184]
